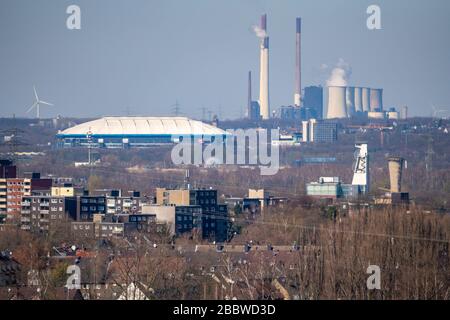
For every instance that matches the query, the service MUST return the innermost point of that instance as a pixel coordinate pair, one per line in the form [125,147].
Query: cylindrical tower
[298,63]
[358,99]
[376,99]
[395,173]
[264,73]
[365,99]
[350,101]
[336,103]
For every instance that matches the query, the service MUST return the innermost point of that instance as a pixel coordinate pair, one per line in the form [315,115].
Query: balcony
[44,204]
[26,204]
[25,211]
[23,219]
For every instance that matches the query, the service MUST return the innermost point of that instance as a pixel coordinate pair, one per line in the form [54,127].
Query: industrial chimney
[365,99]
[249,101]
[298,63]
[337,107]
[376,99]
[264,72]
[395,174]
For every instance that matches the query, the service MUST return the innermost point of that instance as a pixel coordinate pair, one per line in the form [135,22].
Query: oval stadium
[135,132]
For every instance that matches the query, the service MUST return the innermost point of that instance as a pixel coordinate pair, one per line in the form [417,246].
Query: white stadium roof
[143,126]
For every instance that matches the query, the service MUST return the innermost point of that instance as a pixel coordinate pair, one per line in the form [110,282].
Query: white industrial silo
[365,96]
[337,106]
[376,99]
[350,101]
[358,99]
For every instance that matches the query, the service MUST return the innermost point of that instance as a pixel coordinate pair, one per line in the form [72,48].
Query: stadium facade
[135,132]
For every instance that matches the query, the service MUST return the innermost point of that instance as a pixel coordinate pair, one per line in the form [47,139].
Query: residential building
[41,213]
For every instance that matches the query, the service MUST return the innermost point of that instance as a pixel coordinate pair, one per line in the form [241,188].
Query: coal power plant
[345,102]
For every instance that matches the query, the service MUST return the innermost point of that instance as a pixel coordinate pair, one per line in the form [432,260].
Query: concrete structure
[214,216]
[395,174]
[288,113]
[249,95]
[313,99]
[365,96]
[358,99]
[376,115]
[298,63]
[305,131]
[350,101]
[376,99]
[179,219]
[264,72]
[337,105]
[319,131]
[393,115]
[404,113]
[128,132]
[361,167]
[42,213]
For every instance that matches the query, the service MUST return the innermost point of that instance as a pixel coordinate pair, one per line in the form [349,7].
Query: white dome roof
[144,126]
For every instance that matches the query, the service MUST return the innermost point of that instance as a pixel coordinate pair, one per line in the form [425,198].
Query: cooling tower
[395,174]
[358,99]
[365,99]
[336,103]
[376,99]
[264,73]
[350,101]
[298,63]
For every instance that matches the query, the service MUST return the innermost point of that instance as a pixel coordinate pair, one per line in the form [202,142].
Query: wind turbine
[37,104]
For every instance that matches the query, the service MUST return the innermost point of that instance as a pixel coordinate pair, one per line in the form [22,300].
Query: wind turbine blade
[47,103]
[32,107]
[35,93]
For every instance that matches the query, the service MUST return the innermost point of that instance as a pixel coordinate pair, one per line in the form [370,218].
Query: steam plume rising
[340,74]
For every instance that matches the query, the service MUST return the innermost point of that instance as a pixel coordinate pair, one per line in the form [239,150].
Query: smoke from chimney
[340,74]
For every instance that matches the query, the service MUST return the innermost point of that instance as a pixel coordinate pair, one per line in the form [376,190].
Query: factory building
[288,113]
[346,102]
[135,132]
[319,131]
[313,101]
[333,188]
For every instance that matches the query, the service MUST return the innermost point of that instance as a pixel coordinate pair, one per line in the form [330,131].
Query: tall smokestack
[264,72]
[249,101]
[298,63]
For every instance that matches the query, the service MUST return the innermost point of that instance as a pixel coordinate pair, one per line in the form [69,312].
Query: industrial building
[333,188]
[313,101]
[319,131]
[135,132]
[346,102]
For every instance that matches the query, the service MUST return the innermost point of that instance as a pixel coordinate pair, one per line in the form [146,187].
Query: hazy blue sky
[145,54]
